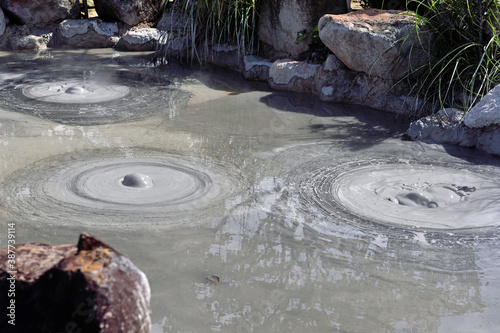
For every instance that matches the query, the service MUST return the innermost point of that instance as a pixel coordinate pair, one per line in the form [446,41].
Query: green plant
[466,63]
[210,22]
[314,34]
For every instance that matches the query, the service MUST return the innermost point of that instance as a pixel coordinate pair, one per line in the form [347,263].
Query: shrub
[466,63]
[218,21]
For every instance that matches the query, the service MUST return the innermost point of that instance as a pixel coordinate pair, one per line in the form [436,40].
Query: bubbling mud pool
[408,195]
[118,188]
[393,195]
[314,216]
[90,97]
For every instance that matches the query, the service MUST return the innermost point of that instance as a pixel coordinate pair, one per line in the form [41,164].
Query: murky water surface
[249,209]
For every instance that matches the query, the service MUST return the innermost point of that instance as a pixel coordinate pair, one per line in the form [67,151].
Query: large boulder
[66,288]
[382,43]
[144,39]
[131,12]
[36,12]
[280,21]
[87,34]
[486,112]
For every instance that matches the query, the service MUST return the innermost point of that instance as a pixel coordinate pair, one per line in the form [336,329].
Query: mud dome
[89,97]
[117,188]
[399,195]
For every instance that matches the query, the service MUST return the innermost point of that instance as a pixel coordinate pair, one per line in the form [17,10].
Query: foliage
[218,21]
[466,63]
[314,34]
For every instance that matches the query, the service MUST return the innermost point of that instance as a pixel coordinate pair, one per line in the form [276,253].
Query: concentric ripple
[395,194]
[75,92]
[90,98]
[406,195]
[106,188]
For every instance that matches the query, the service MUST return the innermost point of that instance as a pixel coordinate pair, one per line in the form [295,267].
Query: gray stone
[339,84]
[173,21]
[40,11]
[486,112]
[336,83]
[226,56]
[86,34]
[30,42]
[443,127]
[376,42]
[23,37]
[256,68]
[489,140]
[3,23]
[131,12]
[293,75]
[281,20]
[446,127]
[139,40]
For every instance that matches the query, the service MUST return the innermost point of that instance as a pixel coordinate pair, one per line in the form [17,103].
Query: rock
[489,140]
[256,68]
[447,127]
[226,56]
[86,34]
[173,21]
[171,44]
[22,37]
[3,23]
[486,112]
[334,82]
[341,85]
[66,288]
[293,75]
[371,41]
[43,12]
[30,42]
[281,20]
[444,127]
[131,12]
[139,40]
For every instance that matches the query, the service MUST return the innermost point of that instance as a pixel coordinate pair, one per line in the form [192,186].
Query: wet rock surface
[447,126]
[40,11]
[88,288]
[370,41]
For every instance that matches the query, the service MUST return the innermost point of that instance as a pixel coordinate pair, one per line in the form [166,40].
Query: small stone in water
[213,278]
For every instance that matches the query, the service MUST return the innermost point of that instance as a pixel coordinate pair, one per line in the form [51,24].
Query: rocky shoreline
[365,66]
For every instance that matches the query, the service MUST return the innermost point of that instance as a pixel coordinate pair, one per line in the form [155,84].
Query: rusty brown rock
[85,288]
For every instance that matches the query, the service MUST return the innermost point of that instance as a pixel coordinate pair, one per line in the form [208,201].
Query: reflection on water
[250,198]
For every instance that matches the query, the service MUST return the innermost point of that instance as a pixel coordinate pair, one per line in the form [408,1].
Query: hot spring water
[316,217]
